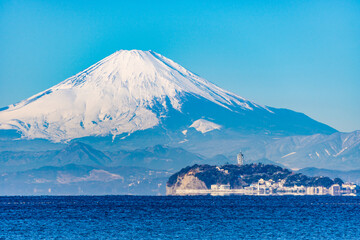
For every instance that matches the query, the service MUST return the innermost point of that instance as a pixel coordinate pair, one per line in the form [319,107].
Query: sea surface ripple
[189,217]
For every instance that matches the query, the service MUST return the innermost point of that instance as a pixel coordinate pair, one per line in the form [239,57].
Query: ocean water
[165,217]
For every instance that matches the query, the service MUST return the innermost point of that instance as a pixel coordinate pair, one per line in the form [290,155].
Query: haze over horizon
[300,56]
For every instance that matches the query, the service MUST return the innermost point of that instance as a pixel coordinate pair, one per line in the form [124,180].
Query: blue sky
[301,55]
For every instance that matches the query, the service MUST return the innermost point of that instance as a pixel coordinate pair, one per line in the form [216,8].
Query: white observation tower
[240,159]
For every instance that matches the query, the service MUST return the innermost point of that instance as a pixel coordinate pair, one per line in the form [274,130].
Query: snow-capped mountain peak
[146,75]
[113,96]
[123,93]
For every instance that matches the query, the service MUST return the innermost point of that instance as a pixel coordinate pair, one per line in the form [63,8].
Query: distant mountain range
[338,151]
[84,180]
[347,176]
[141,109]
[157,157]
[80,169]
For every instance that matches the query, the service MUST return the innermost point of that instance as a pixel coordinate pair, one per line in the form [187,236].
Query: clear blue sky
[301,55]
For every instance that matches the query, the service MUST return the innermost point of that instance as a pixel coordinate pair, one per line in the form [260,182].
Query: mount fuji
[124,124]
[133,91]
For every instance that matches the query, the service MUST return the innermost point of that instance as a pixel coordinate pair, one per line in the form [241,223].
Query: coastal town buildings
[271,187]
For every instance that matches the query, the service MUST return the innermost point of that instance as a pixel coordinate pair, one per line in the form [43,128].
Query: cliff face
[186,182]
[185,179]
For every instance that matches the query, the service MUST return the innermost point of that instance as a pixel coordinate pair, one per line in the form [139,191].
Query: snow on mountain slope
[113,96]
[336,151]
[204,126]
[139,90]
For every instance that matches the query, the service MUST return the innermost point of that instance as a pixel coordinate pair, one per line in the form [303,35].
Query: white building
[221,187]
[335,189]
[240,159]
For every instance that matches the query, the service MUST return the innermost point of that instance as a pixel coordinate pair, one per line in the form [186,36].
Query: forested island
[252,179]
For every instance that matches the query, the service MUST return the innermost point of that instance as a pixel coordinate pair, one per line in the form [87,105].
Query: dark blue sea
[199,217]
